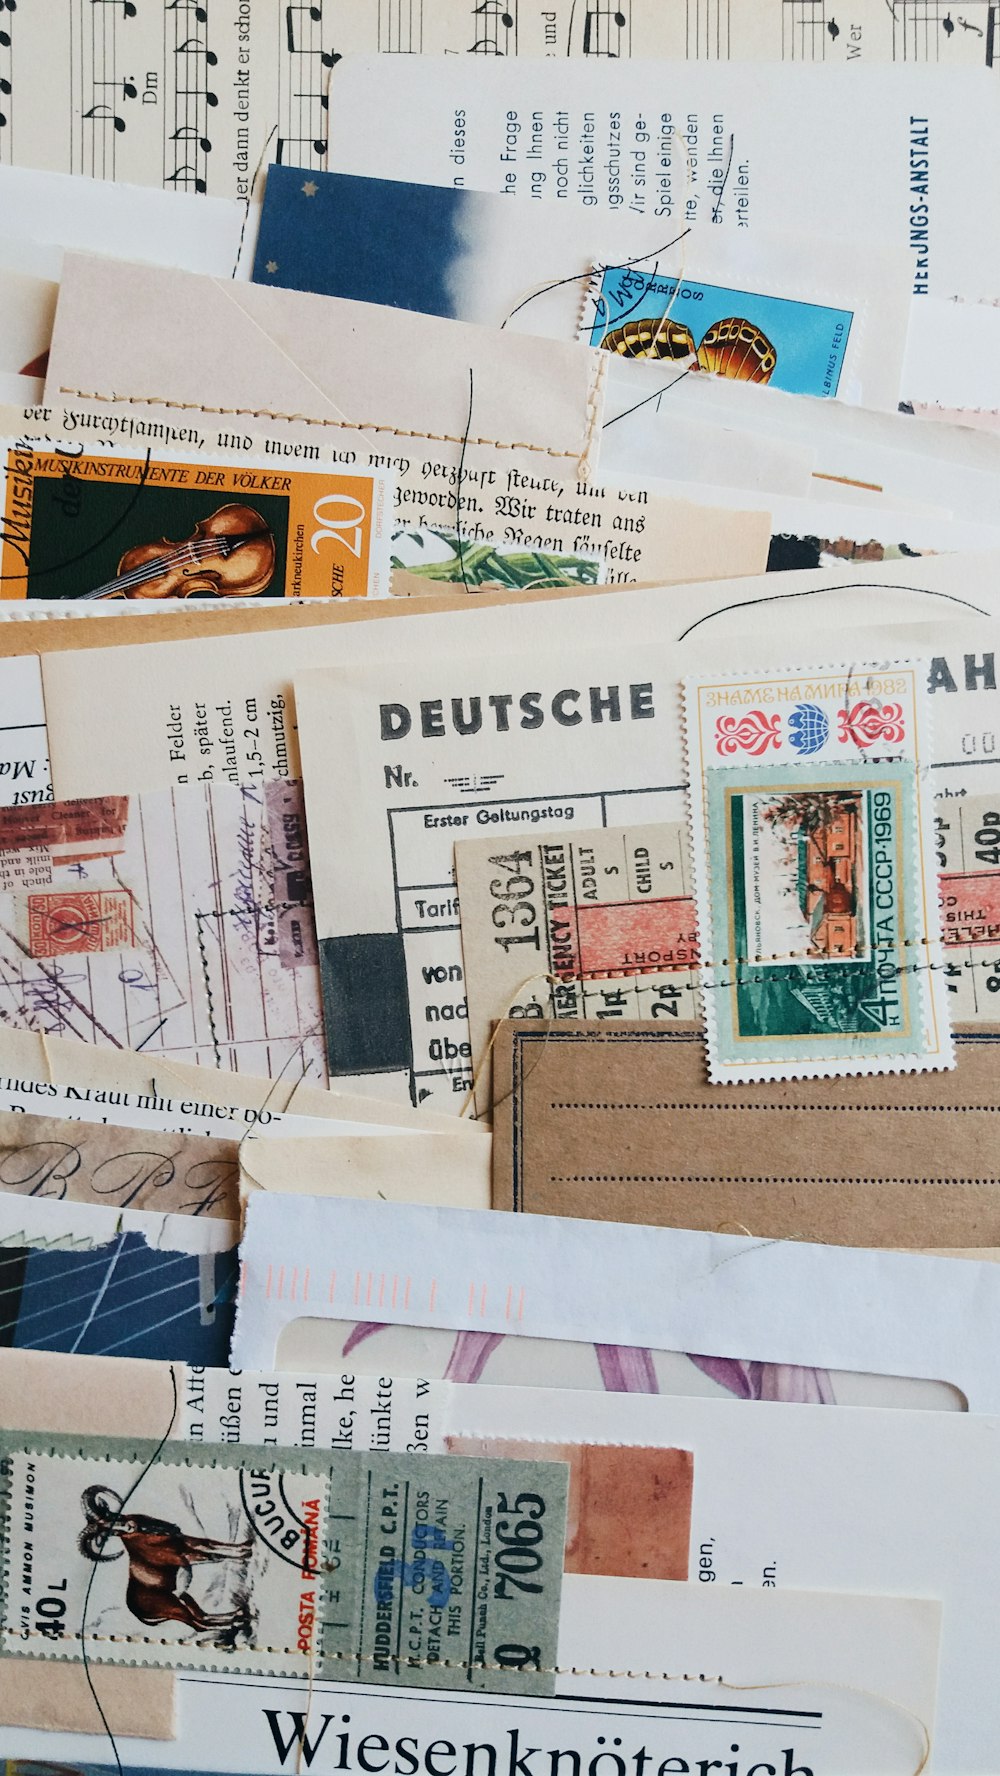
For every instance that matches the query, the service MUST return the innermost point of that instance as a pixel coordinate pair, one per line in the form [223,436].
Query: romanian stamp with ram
[433,1571]
[816,875]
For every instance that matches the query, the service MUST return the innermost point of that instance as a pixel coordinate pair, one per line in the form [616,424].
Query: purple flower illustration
[629,1369]
[768,1381]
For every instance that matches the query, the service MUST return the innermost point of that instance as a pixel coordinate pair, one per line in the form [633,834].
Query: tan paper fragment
[162,339]
[92,1396]
[619,1122]
[437,1169]
[98,1162]
[49,1067]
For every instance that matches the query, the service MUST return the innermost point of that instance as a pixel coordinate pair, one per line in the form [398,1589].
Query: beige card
[437,1168]
[170,340]
[638,534]
[61,1077]
[617,1122]
[123,698]
[93,1396]
[102,1163]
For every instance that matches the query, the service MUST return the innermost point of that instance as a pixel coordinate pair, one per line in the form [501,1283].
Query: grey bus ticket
[440,1572]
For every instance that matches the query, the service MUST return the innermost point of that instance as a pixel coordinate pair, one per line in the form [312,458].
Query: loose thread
[458,488]
[553,981]
[249,197]
[251,1133]
[105,1537]
[824,1683]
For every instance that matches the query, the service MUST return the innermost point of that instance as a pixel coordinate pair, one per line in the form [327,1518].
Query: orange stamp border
[80,921]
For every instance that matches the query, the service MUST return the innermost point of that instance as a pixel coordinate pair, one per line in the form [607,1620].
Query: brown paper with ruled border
[618,1122]
[92,1396]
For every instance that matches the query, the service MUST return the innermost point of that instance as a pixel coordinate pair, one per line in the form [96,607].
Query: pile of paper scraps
[499,888]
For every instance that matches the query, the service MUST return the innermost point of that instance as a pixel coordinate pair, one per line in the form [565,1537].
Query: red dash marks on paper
[333,1286]
[305,1284]
[624,938]
[433,1294]
[80,921]
[970,908]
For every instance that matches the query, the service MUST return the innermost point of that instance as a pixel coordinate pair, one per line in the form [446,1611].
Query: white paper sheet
[24,753]
[777,1301]
[685,141]
[858,1700]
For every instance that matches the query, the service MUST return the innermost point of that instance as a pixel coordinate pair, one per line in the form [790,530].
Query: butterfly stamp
[792,344]
[815,867]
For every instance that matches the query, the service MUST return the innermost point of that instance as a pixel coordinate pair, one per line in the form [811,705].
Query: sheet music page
[193,94]
[697,30]
[190,95]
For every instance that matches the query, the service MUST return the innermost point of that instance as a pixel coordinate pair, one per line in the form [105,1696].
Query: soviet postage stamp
[816,872]
[428,1570]
[745,336]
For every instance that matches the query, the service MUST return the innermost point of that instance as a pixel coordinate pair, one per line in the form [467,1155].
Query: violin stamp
[80,921]
[121,526]
[792,344]
[433,1571]
[815,865]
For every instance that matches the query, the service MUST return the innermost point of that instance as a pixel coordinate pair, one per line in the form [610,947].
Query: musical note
[104,114]
[187,175]
[833,28]
[129,90]
[947,24]
[194,46]
[317,146]
[495,16]
[127,6]
[802,26]
[315,14]
[189,133]
[188,6]
[197,92]
[612,18]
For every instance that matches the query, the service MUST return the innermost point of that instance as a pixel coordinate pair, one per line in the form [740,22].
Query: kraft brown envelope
[95,1396]
[619,1123]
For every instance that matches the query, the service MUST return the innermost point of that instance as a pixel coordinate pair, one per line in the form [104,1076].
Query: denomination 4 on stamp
[815,867]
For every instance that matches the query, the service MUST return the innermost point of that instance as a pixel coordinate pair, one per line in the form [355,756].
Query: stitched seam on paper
[359,425]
